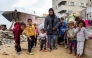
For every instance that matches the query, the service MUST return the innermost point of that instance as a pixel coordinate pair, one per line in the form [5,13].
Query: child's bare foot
[74,55]
[77,56]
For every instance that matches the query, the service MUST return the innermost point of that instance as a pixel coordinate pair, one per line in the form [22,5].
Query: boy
[31,34]
[72,38]
[17,31]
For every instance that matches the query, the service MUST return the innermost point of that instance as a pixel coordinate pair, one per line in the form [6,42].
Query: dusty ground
[9,49]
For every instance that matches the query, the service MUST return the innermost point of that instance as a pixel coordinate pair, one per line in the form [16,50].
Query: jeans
[43,43]
[31,43]
[50,39]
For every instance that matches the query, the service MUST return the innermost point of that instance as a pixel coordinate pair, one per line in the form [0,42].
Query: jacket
[48,25]
[17,31]
[30,31]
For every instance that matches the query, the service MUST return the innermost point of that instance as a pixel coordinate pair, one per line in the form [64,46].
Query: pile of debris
[7,37]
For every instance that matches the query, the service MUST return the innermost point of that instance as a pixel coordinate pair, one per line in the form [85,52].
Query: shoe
[50,50]
[65,46]
[40,50]
[31,53]
[44,50]
[18,53]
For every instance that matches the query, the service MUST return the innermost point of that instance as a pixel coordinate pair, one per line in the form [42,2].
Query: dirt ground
[61,52]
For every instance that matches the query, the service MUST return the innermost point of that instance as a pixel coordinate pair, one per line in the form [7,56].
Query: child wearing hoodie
[62,28]
[81,34]
[17,31]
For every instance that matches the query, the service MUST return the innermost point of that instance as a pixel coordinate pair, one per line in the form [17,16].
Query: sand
[61,52]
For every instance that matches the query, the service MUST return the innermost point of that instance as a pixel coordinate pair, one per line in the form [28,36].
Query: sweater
[82,34]
[71,33]
[43,36]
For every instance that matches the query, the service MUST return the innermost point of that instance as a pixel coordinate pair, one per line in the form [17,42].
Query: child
[31,34]
[81,35]
[17,31]
[37,33]
[72,38]
[43,39]
[62,29]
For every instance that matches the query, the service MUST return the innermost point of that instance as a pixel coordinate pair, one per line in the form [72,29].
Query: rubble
[7,37]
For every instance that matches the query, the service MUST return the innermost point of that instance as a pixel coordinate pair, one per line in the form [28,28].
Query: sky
[39,6]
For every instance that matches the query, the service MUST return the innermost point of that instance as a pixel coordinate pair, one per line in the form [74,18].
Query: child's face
[30,22]
[62,24]
[61,20]
[71,26]
[80,24]
[42,31]
[22,27]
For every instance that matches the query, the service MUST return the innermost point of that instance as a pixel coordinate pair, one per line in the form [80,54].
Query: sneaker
[65,46]
[44,50]
[18,53]
[40,50]
[31,53]
[50,50]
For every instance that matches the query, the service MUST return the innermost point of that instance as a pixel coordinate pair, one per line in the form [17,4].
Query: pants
[80,47]
[65,38]
[73,43]
[50,39]
[35,43]
[31,43]
[60,39]
[18,47]
[43,43]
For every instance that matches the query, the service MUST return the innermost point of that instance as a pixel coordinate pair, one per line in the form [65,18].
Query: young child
[17,31]
[62,29]
[72,38]
[81,36]
[43,40]
[31,34]
[37,33]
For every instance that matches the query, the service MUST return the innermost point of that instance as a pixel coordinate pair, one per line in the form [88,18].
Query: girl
[37,33]
[81,34]
[43,39]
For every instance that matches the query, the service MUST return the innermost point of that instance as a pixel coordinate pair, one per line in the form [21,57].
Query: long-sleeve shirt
[43,36]
[71,33]
[82,34]
[30,31]
[17,32]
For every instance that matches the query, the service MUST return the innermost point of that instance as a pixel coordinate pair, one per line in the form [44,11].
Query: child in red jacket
[17,31]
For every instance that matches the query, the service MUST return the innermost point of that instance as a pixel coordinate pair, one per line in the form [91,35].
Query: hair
[71,23]
[61,18]
[42,30]
[22,23]
[81,21]
[29,19]
[34,24]
[77,18]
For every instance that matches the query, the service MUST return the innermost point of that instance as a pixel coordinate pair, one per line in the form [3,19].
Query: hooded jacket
[17,31]
[50,23]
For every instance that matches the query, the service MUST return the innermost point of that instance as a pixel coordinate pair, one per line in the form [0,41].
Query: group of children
[68,33]
[73,36]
